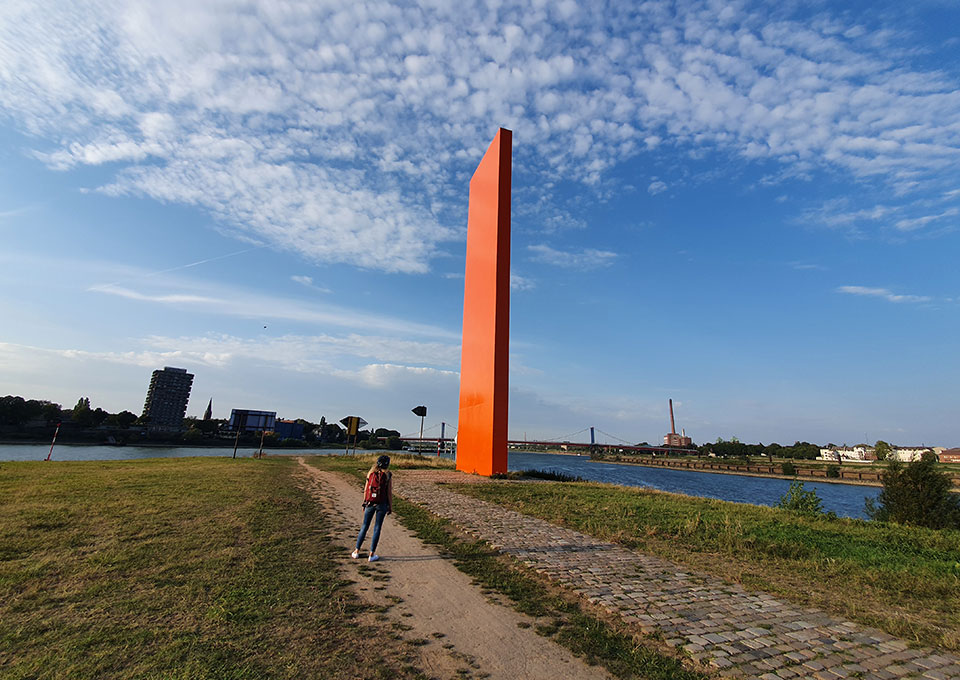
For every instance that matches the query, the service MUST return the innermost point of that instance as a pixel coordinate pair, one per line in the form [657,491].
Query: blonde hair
[375,467]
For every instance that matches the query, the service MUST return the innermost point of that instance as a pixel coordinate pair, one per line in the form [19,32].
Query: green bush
[917,494]
[799,499]
[538,474]
[833,471]
[789,468]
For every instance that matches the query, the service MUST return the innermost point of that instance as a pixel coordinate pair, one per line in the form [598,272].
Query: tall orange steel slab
[484,359]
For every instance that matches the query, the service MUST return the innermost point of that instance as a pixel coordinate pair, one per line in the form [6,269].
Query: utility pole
[55,433]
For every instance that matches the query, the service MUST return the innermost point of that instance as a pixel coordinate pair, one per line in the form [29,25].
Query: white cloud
[300,376]
[589,258]
[882,293]
[910,224]
[519,283]
[307,281]
[656,187]
[346,134]
[15,212]
[247,304]
[391,376]
[316,354]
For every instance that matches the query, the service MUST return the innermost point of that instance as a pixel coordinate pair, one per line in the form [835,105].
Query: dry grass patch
[175,568]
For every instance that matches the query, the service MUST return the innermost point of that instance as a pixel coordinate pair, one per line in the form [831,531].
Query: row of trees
[19,412]
[314,434]
[39,416]
[734,448]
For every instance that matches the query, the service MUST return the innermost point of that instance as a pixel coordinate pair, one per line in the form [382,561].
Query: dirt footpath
[456,628]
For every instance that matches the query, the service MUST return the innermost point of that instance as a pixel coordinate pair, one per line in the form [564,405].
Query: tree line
[36,418]
[734,448]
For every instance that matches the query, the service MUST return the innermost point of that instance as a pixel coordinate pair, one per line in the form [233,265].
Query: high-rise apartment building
[167,397]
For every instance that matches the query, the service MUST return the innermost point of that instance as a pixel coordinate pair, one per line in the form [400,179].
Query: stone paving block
[936,675]
[712,620]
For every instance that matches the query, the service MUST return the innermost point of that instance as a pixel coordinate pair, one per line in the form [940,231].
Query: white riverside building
[863,453]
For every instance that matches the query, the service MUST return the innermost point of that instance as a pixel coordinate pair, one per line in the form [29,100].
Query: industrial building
[167,397]
[680,441]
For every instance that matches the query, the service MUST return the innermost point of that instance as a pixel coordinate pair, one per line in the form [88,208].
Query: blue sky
[748,207]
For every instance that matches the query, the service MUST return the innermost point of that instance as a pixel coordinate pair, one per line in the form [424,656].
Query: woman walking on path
[377,501]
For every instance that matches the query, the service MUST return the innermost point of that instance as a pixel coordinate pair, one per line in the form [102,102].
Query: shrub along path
[738,632]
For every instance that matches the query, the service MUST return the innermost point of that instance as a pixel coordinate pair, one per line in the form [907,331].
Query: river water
[846,500]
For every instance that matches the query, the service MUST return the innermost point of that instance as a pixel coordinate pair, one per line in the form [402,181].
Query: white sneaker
[373,558]
[355,554]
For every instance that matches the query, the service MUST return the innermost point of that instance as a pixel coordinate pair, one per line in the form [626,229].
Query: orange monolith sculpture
[484,358]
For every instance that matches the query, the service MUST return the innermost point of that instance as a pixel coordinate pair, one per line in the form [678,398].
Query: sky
[751,208]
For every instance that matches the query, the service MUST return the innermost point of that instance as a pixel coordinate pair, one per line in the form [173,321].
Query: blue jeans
[368,512]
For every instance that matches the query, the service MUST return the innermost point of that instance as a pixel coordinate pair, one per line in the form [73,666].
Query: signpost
[353,425]
[422,412]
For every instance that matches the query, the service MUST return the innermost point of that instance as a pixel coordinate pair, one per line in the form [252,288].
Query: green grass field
[219,568]
[176,568]
[903,580]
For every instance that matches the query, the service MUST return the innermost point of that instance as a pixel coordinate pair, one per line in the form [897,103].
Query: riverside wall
[846,476]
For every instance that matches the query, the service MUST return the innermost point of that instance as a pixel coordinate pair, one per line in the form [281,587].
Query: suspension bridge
[441,438]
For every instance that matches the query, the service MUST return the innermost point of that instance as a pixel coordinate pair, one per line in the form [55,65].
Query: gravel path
[459,632]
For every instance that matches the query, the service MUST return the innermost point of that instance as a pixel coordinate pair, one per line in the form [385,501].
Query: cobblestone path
[740,633]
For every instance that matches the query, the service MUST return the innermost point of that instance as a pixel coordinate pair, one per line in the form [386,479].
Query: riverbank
[870,478]
[762,475]
[903,580]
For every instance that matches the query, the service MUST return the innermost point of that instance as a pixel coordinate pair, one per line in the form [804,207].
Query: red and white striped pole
[55,433]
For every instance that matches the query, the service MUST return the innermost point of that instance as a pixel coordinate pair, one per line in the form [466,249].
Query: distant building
[167,397]
[246,420]
[863,452]
[680,441]
[860,452]
[950,456]
[908,454]
[288,429]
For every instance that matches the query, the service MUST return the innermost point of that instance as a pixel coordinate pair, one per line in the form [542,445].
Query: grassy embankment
[903,580]
[176,568]
[560,615]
